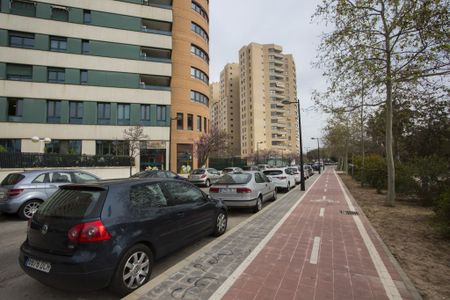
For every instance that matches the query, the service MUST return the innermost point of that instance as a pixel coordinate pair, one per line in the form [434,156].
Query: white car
[281,178]
[296,173]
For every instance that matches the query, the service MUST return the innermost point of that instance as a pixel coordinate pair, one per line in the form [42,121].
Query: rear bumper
[67,272]
[198,182]
[240,203]
[9,207]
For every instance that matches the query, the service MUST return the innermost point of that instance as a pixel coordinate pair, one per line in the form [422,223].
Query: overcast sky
[235,23]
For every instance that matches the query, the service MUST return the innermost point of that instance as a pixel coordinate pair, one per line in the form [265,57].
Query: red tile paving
[344,270]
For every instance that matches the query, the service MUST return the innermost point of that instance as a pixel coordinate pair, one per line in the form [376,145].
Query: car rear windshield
[293,170]
[198,171]
[273,172]
[234,179]
[227,170]
[12,179]
[73,202]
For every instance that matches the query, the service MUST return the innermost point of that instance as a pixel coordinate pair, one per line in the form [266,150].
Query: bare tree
[377,48]
[208,143]
[134,135]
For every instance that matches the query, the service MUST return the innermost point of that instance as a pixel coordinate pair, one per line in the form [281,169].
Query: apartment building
[214,94]
[190,81]
[229,108]
[267,77]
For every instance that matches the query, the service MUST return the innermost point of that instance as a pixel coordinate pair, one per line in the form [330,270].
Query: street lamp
[257,151]
[36,139]
[318,151]
[170,143]
[302,172]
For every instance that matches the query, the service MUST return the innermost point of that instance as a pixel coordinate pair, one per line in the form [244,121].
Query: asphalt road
[15,284]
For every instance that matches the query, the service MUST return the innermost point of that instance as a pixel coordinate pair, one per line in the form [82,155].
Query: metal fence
[47,160]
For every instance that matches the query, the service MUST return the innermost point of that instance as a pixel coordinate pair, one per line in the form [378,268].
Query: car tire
[258,205]
[221,223]
[141,258]
[288,187]
[207,183]
[275,195]
[27,209]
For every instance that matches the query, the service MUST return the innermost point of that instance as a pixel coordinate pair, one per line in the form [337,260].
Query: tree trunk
[390,199]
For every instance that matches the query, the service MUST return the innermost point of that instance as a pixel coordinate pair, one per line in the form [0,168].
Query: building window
[161,113]
[23,8]
[56,75]
[200,31]
[87,17]
[53,111]
[205,124]
[58,43]
[75,112]
[184,157]
[197,7]
[123,114]
[199,97]
[10,145]
[19,72]
[21,39]
[199,123]
[104,113]
[85,46]
[83,76]
[190,122]
[199,52]
[145,114]
[111,148]
[60,13]
[180,121]
[64,147]
[198,74]
[15,107]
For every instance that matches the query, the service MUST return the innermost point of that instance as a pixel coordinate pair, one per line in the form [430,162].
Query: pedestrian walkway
[313,245]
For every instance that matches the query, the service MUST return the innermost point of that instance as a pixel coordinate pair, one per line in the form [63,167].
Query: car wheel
[221,223]
[288,187]
[275,195]
[28,209]
[133,271]
[207,183]
[258,205]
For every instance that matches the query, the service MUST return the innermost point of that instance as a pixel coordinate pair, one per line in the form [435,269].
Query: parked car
[90,236]
[204,176]
[308,170]
[246,189]
[232,170]
[280,178]
[23,192]
[250,168]
[262,167]
[294,171]
[159,174]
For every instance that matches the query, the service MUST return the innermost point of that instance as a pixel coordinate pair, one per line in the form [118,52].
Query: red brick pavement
[345,269]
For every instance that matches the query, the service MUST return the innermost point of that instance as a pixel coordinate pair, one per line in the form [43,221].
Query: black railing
[47,160]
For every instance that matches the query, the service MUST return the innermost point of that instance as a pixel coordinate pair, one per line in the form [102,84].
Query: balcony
[158,27]
[151,82]
[156,54]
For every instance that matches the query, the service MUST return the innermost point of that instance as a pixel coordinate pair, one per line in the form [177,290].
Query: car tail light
[203,176]
[14,192]
[213,190]
[88,232]
[281,177]
[243,190]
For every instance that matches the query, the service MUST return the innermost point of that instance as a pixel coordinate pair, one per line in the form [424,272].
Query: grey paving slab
[201,276]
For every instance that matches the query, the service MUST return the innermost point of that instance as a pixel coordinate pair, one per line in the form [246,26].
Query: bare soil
[407,231]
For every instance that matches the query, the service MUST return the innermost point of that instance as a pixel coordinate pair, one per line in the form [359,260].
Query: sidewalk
[313,245]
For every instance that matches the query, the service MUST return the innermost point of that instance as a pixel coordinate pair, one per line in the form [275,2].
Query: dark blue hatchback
[90,236]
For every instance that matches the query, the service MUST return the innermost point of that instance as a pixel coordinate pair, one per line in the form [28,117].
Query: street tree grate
[349,212]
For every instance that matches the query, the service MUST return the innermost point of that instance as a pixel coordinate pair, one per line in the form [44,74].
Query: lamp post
[257,151]
[318,151]
[170,144]
[302,171]
[42,141]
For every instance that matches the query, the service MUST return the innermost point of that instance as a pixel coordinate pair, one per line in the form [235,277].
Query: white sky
[235,23]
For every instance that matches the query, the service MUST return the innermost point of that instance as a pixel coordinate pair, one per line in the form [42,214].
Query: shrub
[442,210]
[374,173]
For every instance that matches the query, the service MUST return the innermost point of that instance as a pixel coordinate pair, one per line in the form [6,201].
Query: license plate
[38,265]
[227,190]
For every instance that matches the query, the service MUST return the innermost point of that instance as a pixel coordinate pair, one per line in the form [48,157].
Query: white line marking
[386,279]
[324,190]
[322,211]
[223,289]
[315,251]
[323,198]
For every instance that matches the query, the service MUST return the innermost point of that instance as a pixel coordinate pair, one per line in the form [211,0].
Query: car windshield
[272,172]
[73,202]
[234,179]
[198,171]
[12,179]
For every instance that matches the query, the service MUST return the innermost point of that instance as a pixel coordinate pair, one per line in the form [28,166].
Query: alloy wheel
[136,270]
[221,223]
[30,208]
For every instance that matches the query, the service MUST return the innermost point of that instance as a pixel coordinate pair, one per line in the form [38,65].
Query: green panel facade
[115,21]
[2,71]
[34,111]
[4,6]
[39,73]
[113,79]
[72,76]
[135,114]
[3,37]
[64,112]
[41,42]
[76,15]
[3,109]
[43,10]
[90,113]
[115,50]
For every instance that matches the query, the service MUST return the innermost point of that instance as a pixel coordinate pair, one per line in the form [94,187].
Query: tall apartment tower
[267,78]
[229,118]
[214,94]
[190,80]
[80,72]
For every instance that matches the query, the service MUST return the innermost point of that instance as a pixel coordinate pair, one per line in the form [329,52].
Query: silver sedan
[245,189]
